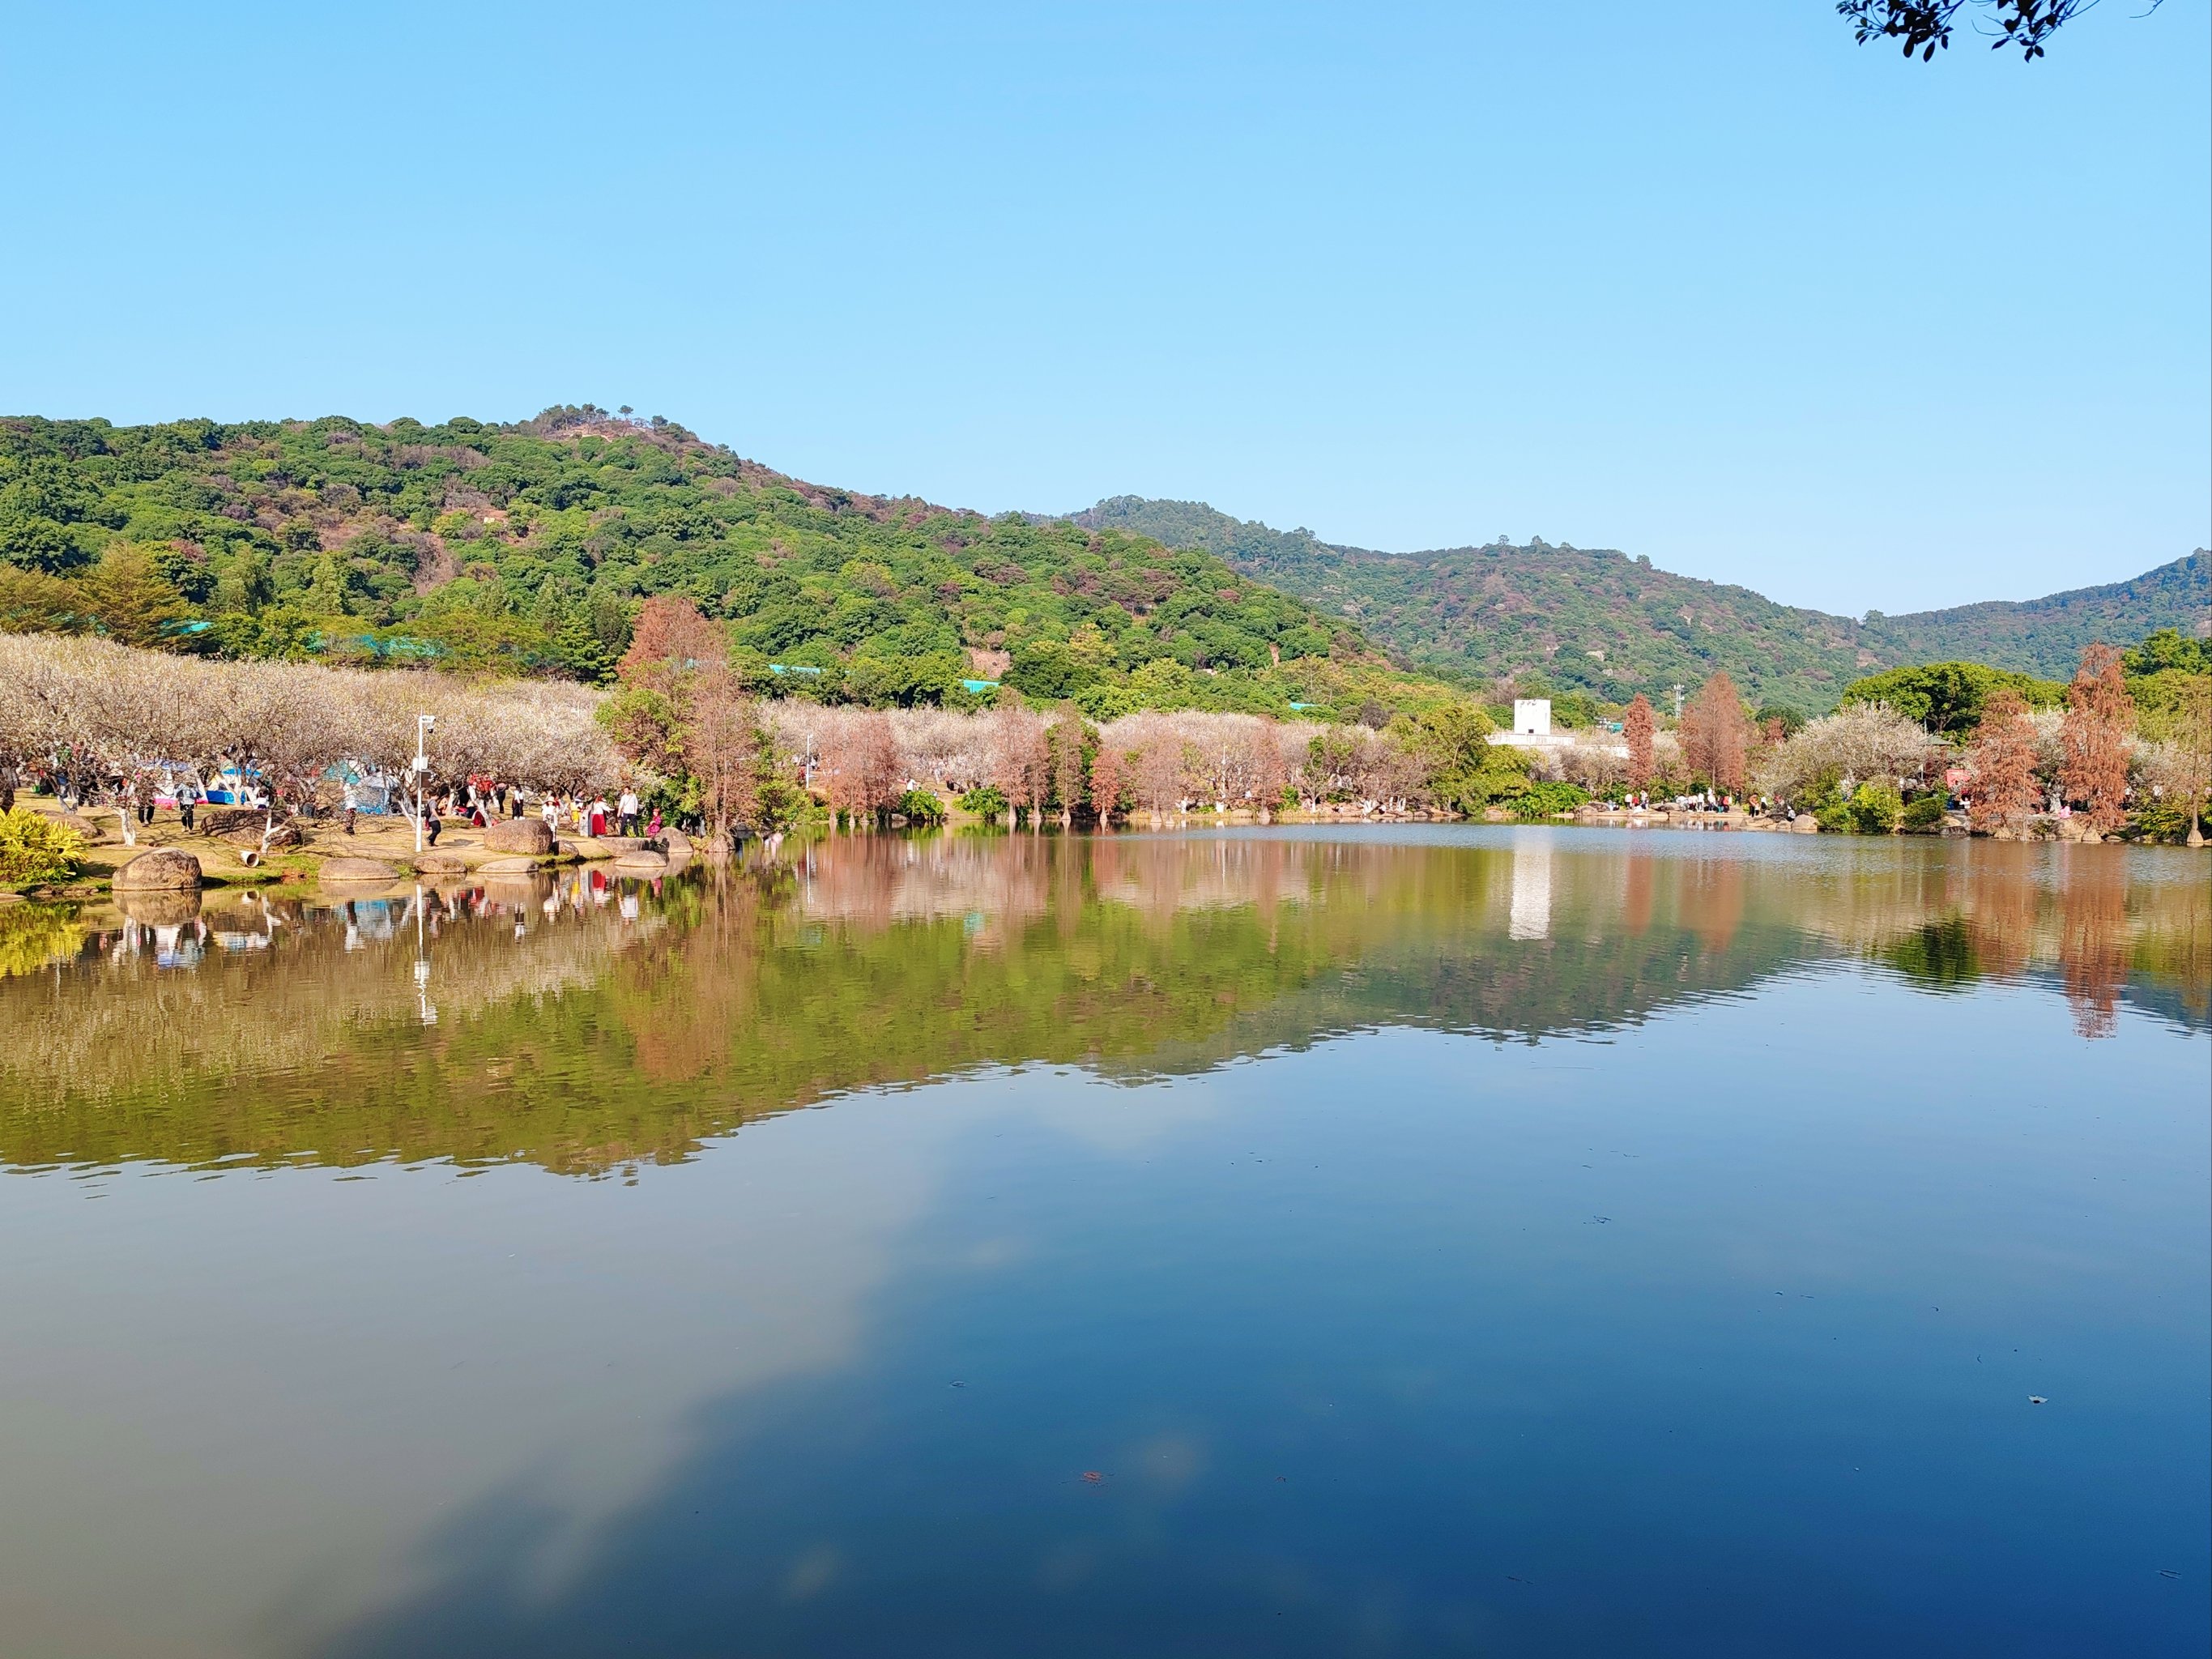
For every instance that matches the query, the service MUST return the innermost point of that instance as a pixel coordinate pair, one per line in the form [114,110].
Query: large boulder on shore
[440,864]
[165,870]
[642,864]
[91,830]
[1806,825]
[249,835]
[507,867]
[529,835]
[356,873]
[675,843]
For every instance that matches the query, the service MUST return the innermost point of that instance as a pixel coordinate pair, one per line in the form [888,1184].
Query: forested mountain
[2045,636]
[526,546]
[1604,620]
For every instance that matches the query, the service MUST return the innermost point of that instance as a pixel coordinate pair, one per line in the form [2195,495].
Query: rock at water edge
[163,871]
[356,873]
[529,835]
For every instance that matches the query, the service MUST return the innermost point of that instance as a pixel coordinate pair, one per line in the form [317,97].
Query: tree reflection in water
[585,1024]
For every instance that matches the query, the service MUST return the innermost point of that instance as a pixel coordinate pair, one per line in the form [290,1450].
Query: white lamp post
[422,724]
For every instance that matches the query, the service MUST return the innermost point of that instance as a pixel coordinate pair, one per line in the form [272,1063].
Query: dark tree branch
[1923,26]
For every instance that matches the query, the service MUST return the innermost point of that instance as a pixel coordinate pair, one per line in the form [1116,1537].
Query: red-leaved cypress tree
[2100,719]
[1638,726]
[1716,736]
[2002,760]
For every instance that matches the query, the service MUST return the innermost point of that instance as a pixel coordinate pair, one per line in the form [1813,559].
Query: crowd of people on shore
[478,802]
[482,801]
[1700,801]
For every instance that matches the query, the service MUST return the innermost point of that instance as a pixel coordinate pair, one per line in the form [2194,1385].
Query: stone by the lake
[507,867]
[642,864]
[440,864]
[357,873]
[674,842]
[165,870]
[529,835]
[1806,825]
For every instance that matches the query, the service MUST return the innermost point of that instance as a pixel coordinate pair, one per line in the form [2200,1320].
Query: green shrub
[1923,814]
[986,801]
[920,807]
[783,806]
[2160,817]
[1874,810]
[1543,800]
[35,848]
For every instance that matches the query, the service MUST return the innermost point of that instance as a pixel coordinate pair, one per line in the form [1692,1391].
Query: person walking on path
[599,817]
[626,811]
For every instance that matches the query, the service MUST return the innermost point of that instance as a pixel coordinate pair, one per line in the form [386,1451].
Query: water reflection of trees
[2112,925]
[583,1026]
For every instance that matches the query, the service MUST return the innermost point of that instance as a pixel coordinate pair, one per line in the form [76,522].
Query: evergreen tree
[577,647]
[132,602]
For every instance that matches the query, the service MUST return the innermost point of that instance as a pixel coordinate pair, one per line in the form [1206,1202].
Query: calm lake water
[1500,1241]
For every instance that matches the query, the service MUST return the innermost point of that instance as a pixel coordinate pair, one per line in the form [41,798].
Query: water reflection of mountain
[583,1027]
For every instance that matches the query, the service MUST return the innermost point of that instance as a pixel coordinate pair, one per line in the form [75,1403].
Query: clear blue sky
[1707,283]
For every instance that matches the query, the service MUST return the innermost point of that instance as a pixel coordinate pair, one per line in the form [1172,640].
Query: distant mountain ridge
[2045,636]
[1600,619]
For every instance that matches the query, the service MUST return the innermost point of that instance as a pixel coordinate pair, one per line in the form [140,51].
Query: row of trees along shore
[115,718]
[1887,759]
[684,712]
[2129,749]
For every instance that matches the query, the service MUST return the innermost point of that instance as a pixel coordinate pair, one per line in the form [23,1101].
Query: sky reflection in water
[1434,1242]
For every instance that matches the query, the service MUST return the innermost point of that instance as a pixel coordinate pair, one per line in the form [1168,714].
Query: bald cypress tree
[2100,720]
[1638,725]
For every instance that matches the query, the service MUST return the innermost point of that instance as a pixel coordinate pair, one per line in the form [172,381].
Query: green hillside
[2045,636]
[1602,620]
[525,547]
